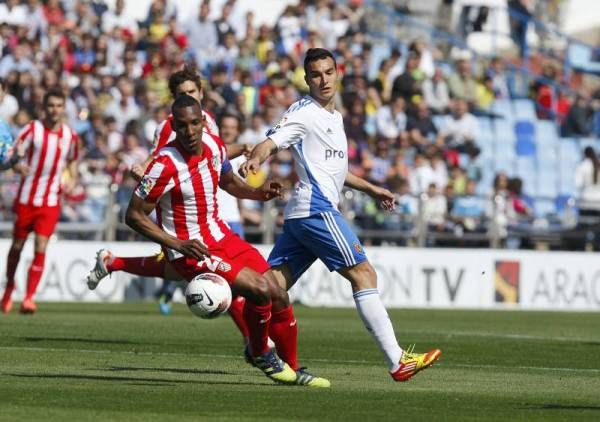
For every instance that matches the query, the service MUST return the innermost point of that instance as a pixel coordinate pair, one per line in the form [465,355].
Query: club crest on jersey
[215,162]
[358,247]
[278,126]
[223,266]
[145,186]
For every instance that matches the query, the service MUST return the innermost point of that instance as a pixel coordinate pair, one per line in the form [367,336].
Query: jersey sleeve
[288,131]
[24,140]
[161,137]
[157,180]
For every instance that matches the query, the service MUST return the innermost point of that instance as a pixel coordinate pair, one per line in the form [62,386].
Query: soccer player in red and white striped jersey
[181,184]
[183,82]
[45,148]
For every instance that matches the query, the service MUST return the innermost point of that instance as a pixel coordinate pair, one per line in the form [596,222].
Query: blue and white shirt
[320,149]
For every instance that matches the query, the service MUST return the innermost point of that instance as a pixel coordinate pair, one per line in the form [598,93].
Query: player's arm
[235,150]
[258,156]
[384,196]
[137,218]
[240,189]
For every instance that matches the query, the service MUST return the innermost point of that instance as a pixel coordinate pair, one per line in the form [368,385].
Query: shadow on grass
[557,406]
[171,370]
[80,340]
[151,381]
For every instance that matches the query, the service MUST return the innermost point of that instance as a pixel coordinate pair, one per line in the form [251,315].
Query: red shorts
[227,259]
[41,220]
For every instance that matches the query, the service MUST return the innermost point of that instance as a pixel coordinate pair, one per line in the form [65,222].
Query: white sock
[378,323]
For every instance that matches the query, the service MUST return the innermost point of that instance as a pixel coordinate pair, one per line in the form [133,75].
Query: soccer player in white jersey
[313,227]
[45,148]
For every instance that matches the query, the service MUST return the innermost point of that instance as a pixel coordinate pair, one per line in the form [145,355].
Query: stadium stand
[114,70]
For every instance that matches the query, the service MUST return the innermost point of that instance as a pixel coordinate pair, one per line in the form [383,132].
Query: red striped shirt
[46,154]
[184,187]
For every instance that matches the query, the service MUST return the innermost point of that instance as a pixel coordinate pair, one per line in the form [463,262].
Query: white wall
[408,278]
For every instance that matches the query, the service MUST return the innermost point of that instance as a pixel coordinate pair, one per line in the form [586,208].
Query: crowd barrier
[407,278]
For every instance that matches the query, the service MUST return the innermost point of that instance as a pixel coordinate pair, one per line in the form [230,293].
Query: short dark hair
[228,113]
[188,73]
[314,54]
[184,101]
[53,92]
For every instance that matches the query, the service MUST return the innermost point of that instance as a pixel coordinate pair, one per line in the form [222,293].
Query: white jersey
[320,149]
[229,209]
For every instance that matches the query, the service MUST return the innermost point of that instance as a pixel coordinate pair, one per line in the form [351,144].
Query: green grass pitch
[126,362]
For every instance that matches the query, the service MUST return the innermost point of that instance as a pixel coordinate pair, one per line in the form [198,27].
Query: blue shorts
[326,236]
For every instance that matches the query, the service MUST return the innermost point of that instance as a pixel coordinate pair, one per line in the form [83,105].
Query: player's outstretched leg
[402,364]
[106,263]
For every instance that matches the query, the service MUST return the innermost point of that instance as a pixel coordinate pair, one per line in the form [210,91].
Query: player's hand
[137,172]
[271,189]
[247,150]
[192,248]
[22,169]
[250,166]
[385,198]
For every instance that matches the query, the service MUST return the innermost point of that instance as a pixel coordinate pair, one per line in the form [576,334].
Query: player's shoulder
[69,131]
[303,106]
[166,124]
[213,141]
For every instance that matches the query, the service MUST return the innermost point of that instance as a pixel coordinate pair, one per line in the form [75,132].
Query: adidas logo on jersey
[329,131]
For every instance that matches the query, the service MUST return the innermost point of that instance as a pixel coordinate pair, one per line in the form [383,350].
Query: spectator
[460,131]
[497,72]
[223,24]
[124,107]
[422,175]
[434,209]
[468,210]
[117,19]
[435,93]
[13,13]
[408,84]
[420,127]
[578,120]
[520,14]
[203,37]
[391,119]
[461,84]
[515,194]
[485,94]
[17,61]
[8,104]
[426,64]
[587,181]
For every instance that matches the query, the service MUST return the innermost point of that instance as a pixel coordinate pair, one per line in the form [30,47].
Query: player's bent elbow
[132,218]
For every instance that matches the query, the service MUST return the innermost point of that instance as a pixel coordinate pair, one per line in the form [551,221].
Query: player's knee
[259,292]
[279,296]
[365,276]
[18,244]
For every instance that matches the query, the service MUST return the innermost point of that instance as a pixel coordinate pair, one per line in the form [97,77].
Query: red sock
[11,267]
[236,311]
[35,273]
[284,332]
[258,319]
[147,266]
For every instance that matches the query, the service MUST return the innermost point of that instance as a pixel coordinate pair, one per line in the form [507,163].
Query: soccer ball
[6,143]
[208,295]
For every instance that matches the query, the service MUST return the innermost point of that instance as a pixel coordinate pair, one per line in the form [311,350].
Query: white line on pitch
[221,356]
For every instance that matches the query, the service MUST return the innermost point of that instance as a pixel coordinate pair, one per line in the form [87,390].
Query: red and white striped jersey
[184,187]
[164,132]
[47,154]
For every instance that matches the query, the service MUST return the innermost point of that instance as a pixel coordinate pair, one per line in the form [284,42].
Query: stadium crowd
[411,124]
